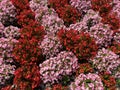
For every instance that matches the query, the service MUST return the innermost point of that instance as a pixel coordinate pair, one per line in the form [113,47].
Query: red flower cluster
[27,77]
[33,30]
[103,6]
[84,68]
[112,20]
[21,4]
[68,14]
[8,88]
[27,49]
[115,47]
[108,80]
[25,17]
[58,3]
[31,33]
[65,11]
[24,13]
[81,44]
[58,87]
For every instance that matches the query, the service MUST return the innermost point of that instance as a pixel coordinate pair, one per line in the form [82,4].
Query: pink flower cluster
[82,5]
[50,46]
[37,4]
[1,29]
[6,71]
[46,16]
[90,19]
[49,19]
[7,42]
[52,23]
[11,32]
[53,69]
[116,36]
[116,72]
[80,26]
[6,48]
[106,60]
[7,11]
[87,82]
[89,28]
[116,8]
[102,34]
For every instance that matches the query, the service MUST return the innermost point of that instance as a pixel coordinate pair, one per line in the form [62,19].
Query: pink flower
[63,64]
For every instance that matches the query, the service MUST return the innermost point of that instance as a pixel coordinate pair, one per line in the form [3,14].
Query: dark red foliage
[108,80]
[81,44]
[27,77]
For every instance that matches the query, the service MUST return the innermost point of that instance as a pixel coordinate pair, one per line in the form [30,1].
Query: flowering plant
[7,11]
[84,68]
[108,80]
[102,34]
[50,46]
[59,44]
[6,49]
[11,32]
[53,69]
[106,60]
[81,44]
[87,82]
[27,77]
[58,87]
[6,71]
[22,52]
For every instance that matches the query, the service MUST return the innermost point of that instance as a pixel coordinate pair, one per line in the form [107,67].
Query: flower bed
[59,44]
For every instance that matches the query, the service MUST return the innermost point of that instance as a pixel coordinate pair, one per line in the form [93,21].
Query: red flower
[112,20]
[21,4]
[84,68]
[9,87]
[108,80]
[57,87]
[58,3]
[81,44]
[115,47]
[105,9]
[27,49]
[65,11]
[68,14]
[25,17]
[98,5]
[27,77]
